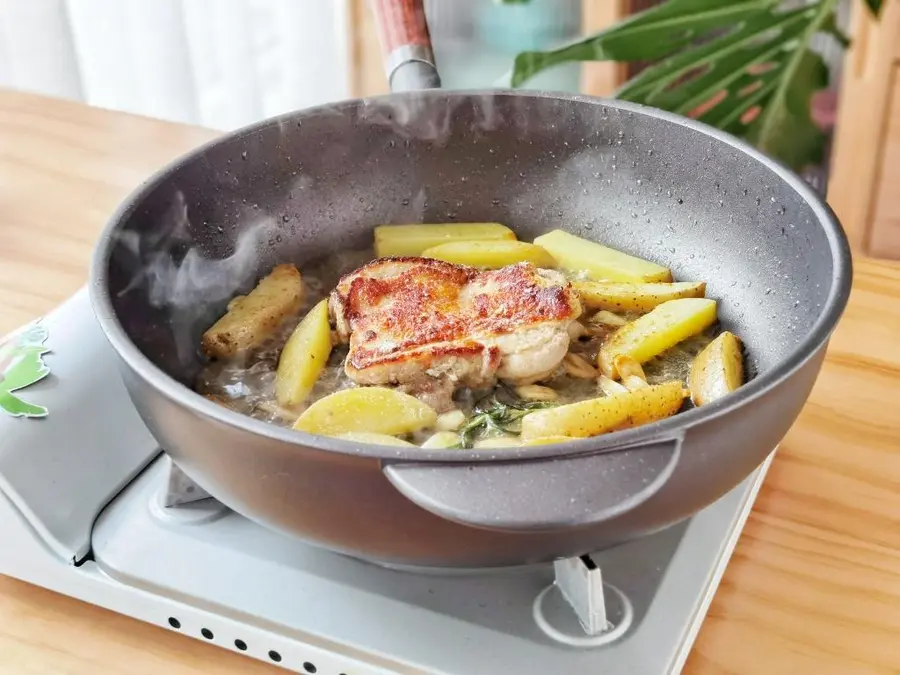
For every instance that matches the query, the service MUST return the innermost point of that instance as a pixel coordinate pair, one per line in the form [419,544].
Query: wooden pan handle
[405,44]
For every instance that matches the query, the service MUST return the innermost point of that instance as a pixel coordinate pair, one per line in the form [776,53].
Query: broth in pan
[460,335]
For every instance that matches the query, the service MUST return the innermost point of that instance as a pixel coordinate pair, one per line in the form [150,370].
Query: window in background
[475,41]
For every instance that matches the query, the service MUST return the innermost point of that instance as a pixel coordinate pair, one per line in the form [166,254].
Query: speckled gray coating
[640,180]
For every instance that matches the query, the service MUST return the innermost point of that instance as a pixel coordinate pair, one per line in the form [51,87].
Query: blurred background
[227,63]
[223,64]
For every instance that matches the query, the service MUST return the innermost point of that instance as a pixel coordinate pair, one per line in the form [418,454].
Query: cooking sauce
[247,384]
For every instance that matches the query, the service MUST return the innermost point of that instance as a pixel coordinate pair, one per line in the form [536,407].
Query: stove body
[86,508]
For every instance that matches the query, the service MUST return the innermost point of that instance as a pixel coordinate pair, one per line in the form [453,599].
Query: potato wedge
[655,332]
[405,240]
[376,410]
[303,357]
[625,297]
[366,437]
[441,439]
[490,254]
[252,319]
[717,370]
[599,262]
[602,415]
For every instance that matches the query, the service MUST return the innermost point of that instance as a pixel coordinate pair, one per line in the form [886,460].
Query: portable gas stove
[91,508]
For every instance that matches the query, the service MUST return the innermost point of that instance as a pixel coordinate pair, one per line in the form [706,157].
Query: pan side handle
[543,494]
[406,45]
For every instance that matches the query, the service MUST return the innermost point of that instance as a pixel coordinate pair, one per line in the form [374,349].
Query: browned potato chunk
[599,262]
[376,410]
[717,370]
[303,357]
[634,297]
[252,319]
[403,240]
[653,333]
[602,415]
[490,254]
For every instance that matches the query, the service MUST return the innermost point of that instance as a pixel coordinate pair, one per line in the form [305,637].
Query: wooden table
[814,585]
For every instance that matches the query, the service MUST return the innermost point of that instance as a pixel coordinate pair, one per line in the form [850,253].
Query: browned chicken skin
[424,323]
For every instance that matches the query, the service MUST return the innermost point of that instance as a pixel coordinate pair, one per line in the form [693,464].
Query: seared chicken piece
[411,321]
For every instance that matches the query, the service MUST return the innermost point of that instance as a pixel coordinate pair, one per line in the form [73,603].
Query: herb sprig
[494,416]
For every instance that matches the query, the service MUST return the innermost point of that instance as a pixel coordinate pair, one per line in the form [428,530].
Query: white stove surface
[460,624]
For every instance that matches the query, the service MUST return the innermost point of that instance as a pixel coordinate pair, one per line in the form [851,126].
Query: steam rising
[427,118]
[184,282]
[179,264]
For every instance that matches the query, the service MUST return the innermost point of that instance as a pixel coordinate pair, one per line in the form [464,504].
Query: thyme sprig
[494,416]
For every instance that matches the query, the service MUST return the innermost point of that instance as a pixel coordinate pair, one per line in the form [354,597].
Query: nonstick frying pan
[306,184]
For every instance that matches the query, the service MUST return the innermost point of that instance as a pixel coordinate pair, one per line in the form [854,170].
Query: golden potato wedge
[599,262]
[252,319]
[655,332]
[441,439]
[304,357]
[376,410]
[411,240]
[373,439]
[602,415]
[625,297]
[548,440]
[717,370]
[490,254]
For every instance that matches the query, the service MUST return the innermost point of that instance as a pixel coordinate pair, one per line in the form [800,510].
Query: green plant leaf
[645,36]
[744,67]
[784,129]
[874,6]
[831,28]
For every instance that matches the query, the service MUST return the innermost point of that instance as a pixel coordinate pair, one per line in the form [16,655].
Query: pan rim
[176,392]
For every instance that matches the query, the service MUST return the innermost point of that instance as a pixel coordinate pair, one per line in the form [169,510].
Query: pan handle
[406,45]
[542,494]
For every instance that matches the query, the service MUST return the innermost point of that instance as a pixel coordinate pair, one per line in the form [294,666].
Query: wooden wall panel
[603,78]
[862,121]
[367,76]
[884,238]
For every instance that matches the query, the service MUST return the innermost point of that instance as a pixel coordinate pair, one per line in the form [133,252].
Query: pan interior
[315,183]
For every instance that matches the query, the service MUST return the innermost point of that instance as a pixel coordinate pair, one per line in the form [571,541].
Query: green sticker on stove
[21,365]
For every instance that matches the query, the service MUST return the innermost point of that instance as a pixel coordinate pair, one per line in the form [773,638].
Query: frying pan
[315,182]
